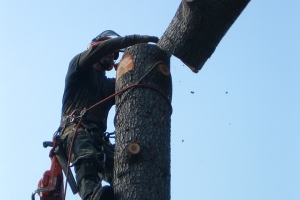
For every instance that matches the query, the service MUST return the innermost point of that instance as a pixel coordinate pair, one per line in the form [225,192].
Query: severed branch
[197,28]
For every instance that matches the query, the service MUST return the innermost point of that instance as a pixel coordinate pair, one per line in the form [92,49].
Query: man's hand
[146,38]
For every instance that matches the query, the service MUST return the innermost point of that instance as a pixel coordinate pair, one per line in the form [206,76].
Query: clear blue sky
[243,145]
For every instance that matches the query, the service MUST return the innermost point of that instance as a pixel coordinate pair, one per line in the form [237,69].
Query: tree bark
[197,28]
[143,123]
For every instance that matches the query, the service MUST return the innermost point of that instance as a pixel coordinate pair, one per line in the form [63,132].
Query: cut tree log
[143,124]
[197,28]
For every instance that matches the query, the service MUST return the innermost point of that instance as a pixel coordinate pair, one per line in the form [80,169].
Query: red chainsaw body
[51,184]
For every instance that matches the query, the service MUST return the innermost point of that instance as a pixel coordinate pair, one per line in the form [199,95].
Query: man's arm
[94,54]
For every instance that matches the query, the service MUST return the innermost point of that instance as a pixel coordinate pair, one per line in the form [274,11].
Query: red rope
[69,158]
[131,86]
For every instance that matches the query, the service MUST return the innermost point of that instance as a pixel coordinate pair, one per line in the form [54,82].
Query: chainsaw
[51,186]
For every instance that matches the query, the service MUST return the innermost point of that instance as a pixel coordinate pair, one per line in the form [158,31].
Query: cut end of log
[195,70]
[164,69]
[134,148]
[125,65]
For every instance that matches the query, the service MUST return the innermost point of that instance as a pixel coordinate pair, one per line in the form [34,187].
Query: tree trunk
[143,122]
[197,28]
[143,118]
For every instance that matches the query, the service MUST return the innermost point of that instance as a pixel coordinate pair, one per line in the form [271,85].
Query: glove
[143,38]
[146,38]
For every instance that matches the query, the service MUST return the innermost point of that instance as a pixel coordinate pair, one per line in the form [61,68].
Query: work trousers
[89,145]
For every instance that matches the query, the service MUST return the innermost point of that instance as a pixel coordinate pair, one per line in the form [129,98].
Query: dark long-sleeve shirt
[85,85]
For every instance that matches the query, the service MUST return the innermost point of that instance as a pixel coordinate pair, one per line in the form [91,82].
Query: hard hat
[105,35]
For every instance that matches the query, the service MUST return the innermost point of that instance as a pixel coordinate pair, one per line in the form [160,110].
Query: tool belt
[99,136]
[101,139]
